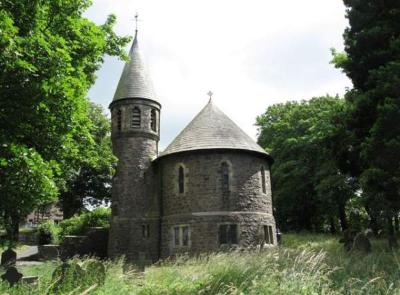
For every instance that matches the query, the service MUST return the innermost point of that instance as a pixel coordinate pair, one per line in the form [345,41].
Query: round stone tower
[135,120]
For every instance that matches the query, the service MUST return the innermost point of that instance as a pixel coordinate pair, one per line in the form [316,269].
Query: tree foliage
[91,182]
[309,190]
[26,181]
[372,62]
[49,54]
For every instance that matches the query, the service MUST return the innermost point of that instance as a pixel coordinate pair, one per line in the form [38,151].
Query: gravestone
[361,243]
[348,239]
[12,276]
[66,277]
[32,280]
[95,271]
[393,242]
[369,233]
[8,257]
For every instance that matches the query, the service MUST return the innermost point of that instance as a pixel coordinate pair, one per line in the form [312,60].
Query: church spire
[135,81]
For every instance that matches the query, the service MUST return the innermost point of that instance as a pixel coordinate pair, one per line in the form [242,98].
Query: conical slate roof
[212,129]
[134,81]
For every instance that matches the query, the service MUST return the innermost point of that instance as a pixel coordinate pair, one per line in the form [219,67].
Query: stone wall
[204,204]
[48,252]
[28,238]
[95,243]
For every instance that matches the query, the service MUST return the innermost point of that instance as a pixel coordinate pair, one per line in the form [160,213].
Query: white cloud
[251,54]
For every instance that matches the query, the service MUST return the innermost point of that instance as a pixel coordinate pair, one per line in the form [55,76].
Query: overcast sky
[251,54]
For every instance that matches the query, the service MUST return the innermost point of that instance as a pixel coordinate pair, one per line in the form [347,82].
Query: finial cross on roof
[136,20]
[210,94]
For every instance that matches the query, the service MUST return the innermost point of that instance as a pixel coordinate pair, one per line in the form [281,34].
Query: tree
[309,190]
[26,182]
[49,54]
[372,61]
[91,182]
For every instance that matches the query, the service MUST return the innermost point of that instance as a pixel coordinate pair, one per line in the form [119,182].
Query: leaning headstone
[8,257]
[95,271]
[361,243]
[66,277]
[12,276]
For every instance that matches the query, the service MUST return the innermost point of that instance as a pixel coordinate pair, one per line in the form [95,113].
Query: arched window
[153,120]
[225,177]
[119,120]
[264,189]
[135,118]
[181,180]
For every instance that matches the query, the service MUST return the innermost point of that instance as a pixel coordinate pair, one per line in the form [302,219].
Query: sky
[251,54]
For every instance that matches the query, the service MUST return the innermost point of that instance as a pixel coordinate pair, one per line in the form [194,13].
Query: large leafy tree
[49,54]
[372,62]
[90,184]
[26,182]
[310,192]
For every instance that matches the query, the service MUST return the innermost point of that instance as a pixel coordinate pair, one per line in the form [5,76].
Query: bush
[79,225]
[48,232]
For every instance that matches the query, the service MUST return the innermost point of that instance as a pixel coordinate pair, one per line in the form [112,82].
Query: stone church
[210,189]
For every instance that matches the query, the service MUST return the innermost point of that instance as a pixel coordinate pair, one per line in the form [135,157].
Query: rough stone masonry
[208,190]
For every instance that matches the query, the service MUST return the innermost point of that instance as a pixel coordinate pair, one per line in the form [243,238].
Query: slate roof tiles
[212,129]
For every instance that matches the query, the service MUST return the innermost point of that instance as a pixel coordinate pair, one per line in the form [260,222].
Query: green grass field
[304,264]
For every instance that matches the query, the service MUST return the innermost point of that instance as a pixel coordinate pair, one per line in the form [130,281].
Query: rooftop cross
[210,94]
[136,21]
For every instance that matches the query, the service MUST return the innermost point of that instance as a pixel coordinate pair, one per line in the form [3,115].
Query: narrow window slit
[153,120]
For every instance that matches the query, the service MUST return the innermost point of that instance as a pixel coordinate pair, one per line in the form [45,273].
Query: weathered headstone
[8,257]
[95,271]
[68,271]
[369,233]
[279,236]
[12,276]
[66,277]
[48,252]
[348,239]
[393,242]
[32,280]
[361,243]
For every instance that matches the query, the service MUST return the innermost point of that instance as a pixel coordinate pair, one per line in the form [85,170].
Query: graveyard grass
[304,264]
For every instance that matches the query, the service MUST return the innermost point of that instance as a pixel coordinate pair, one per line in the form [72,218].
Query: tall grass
[305,264]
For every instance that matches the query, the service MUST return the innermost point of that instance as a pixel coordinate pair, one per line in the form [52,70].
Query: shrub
[79,225]
[48,232]
[99,217]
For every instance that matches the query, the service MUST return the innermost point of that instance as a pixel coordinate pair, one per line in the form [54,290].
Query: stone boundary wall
[48,252]
[28,238]
[93,244]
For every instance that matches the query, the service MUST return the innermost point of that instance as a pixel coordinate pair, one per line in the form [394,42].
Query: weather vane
[210,94]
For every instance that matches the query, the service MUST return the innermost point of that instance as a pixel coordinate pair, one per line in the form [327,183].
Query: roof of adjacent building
[135,81]
[212,129]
